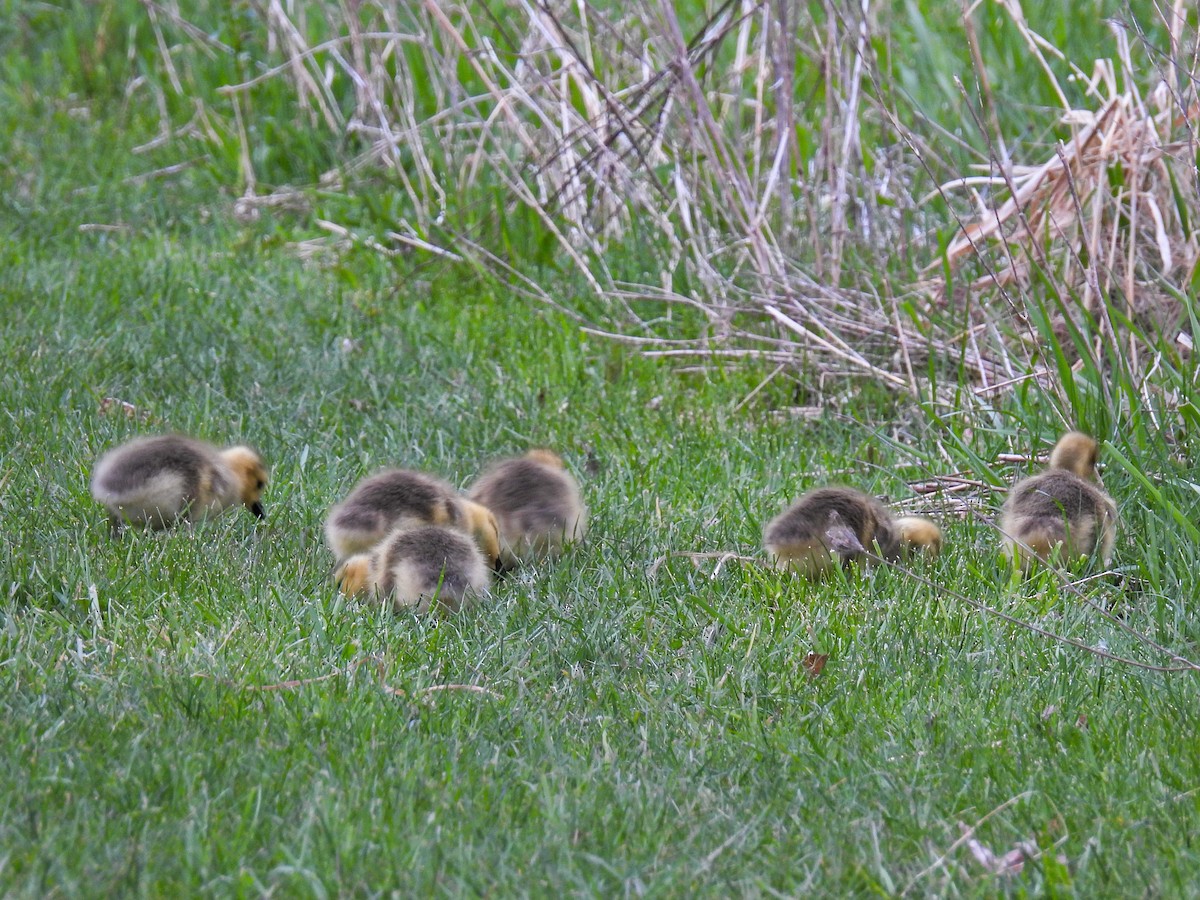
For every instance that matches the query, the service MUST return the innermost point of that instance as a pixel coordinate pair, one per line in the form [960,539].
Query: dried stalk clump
[1107,216]
[632,133]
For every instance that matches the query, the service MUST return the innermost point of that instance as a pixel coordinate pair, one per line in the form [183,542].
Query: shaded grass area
[642,735]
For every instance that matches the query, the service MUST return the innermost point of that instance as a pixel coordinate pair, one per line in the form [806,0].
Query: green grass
[640,735]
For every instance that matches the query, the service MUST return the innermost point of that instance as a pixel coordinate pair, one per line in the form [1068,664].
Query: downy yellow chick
[537,504]
[157,481]
[918,535]
[1063,507]
[843,523]
[417,566]
[394,497]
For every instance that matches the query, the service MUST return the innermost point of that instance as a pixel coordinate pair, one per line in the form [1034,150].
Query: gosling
[536,503]
[919,535]
[158,481]
[403,497]
[416,567]
[1064,509]
[842,524]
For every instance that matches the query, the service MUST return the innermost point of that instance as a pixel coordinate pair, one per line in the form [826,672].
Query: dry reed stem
[622,124]
[1116,233]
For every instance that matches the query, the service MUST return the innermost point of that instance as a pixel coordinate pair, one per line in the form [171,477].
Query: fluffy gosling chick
[417,566]
[842,523]
[380,503]
[537,504]
[157,481]
[918,535]
[1063,507]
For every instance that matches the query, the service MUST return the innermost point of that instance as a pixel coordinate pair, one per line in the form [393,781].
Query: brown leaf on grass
[113,404]
[814,663]
[1009,863]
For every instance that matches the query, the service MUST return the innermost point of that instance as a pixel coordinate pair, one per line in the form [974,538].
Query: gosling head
[1076,452]
[841,539]
[352,575]
[482,525]
[547,457]
[251,474]
[918,535]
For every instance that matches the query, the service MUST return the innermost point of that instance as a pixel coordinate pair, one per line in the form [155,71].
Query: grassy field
[199,712]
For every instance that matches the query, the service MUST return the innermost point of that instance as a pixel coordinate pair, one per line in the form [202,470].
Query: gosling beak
[257,509]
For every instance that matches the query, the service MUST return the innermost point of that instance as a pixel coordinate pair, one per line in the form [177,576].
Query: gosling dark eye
[261,484]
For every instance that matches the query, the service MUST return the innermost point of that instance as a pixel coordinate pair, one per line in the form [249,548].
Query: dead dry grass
[624,125]
[1106,218]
